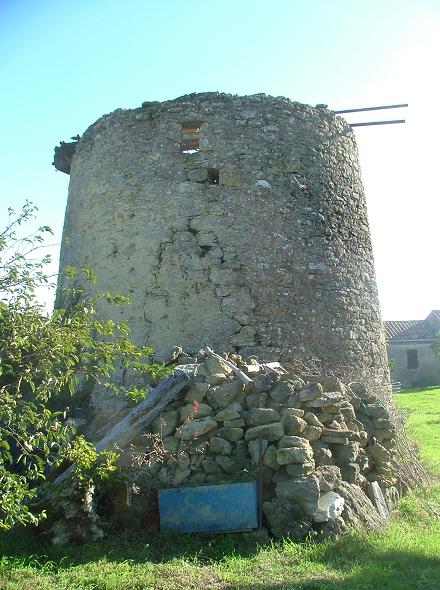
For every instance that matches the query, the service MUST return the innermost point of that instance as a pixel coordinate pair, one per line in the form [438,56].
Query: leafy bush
[43,355]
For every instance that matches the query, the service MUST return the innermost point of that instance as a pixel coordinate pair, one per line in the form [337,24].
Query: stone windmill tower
[234,222]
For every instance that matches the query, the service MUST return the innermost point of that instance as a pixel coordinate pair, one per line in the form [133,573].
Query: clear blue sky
[65,63]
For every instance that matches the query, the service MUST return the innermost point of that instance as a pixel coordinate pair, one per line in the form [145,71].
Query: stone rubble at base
[322,474]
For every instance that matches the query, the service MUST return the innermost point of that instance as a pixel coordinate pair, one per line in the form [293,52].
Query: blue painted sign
[209,507]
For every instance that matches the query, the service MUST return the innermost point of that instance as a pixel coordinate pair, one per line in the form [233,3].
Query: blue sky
[65,63]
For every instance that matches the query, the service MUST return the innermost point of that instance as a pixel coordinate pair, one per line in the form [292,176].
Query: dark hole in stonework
[213,176]
[205,250]
[191,137]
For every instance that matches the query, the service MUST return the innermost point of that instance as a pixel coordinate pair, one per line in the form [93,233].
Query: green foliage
[44,355]
[89,463]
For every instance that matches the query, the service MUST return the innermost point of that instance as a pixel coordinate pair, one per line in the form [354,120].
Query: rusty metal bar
[377,123]
[390,106]
[260,482]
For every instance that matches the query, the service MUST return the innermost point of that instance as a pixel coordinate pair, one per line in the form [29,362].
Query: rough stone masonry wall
[328,449]
[258,242]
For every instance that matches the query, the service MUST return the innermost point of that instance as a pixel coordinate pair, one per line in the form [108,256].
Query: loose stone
[256,400]
[312,420]
[300,469]
[310,392]
[335,440]
[282,391]
[165,424]
[199,411]
[330,507]
[259,416]
[293,441]
[239,423]
[330,399]
[227,414]
[294,455]
[213,366]
[220,446]
[350,472]
[322,453]
[263,382]
[195,428]
[222,395]
[215,379]
[226,463]
[329,477]
[303,491]
[293,425]
[293,412]
[196,391]
[311,433]
[270,457]
[271,432]
[209,465]
[254,450]
[231,434]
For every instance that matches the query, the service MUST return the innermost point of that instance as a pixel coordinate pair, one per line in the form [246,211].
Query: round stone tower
[234,222]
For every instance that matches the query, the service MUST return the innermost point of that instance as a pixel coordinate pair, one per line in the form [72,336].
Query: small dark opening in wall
[191,137]
[412,360]
[213,176]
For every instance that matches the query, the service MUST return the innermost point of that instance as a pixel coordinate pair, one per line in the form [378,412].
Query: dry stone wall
[328,449]
[234,222]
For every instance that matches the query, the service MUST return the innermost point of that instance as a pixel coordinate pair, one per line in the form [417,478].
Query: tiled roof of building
[410,330]
[435,313]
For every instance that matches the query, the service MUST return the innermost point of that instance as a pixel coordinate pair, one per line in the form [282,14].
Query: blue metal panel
[209,507]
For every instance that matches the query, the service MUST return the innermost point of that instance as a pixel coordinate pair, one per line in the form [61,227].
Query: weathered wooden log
[140,417]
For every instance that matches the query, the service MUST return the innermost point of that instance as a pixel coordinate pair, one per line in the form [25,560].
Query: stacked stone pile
[328,449]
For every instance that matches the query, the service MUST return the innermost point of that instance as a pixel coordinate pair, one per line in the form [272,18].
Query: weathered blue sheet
[209,507]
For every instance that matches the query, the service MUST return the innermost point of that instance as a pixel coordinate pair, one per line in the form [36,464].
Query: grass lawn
[405,556]
[422,410]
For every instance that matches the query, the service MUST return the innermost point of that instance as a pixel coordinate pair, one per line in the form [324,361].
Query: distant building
[411,351]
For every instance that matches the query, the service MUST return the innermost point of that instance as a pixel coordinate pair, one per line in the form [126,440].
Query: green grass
[405,556]
[422,410]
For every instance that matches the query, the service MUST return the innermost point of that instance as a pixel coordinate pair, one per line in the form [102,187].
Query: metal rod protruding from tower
[390,106]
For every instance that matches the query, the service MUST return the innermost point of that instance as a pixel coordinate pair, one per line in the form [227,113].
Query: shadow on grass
[156,547]
[352,563]
[349,566]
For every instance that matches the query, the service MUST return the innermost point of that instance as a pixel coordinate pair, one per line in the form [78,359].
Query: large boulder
[358,509]
[285,518]
[303,491]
